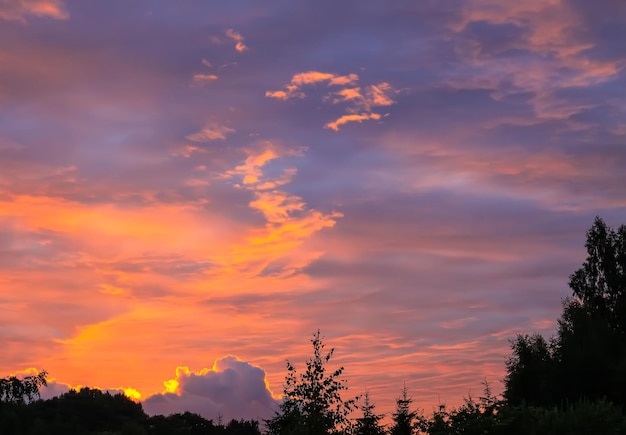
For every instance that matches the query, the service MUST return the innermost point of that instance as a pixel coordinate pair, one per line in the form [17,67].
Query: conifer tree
[369,424]
[403,418]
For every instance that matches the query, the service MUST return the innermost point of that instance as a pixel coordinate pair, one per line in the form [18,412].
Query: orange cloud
[378,95]
[311,77]
[289,222]
[359,105]
[354,117]
[348,94]
[279,95]
[294,88]
[235,36]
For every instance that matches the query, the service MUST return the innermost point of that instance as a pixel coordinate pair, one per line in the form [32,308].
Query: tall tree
[369,424]
[312,402]
[530,371]
[403,418]
[587,358]
[600,284]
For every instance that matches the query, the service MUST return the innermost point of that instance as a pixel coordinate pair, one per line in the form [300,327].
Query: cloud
[359,105]
[232,388]
[258,156]
[204,77]
[54,389]
[236,36]
[522,44]
[347,94]
[289,222]
[294,87]
[378,95]
[354,117]
[280,95]
[210,133]
[311,77]
[19,9]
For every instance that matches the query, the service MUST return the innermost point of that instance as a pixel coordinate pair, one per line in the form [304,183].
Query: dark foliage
[404,420]
[587,358]
[92,411]
[19,391]
[369,423]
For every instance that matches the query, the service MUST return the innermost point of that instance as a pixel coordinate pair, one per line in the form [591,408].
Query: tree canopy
[19,391]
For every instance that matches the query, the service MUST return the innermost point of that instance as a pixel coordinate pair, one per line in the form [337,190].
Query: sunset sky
[189,189]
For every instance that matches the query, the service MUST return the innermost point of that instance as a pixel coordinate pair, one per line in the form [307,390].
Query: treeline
[92,411]
[572,383]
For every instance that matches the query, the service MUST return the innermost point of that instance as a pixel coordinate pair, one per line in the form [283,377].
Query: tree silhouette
[587,358]
[530,372]
[600,284]
[19,391]
[403,418]
[312,402]
[369,423]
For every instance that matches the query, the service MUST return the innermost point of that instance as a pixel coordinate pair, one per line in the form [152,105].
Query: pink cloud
[211,132]
[19,9]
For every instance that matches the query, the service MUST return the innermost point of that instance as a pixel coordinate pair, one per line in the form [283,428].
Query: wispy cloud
[204,77]
[211,132]
[353,117]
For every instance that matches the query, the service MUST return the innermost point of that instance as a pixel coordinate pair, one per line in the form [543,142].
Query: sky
[190,189]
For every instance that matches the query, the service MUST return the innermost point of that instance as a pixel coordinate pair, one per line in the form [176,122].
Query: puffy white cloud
[232,388]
